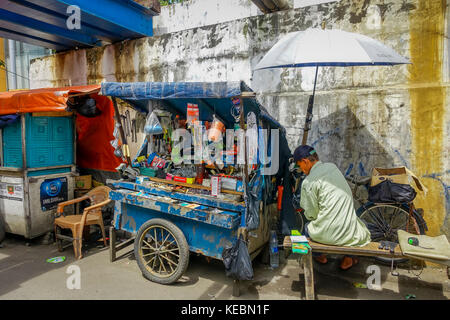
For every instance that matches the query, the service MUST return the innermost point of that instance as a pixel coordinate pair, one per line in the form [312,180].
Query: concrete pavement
[25,274]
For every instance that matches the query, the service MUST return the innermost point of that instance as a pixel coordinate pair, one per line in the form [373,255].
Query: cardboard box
[83,182]
[400,175]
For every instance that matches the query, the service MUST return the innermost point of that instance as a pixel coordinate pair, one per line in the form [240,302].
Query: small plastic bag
[115,143]
[116,131]
[152,125]
[237,261]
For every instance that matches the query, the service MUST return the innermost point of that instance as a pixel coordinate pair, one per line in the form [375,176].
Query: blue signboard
[53,191]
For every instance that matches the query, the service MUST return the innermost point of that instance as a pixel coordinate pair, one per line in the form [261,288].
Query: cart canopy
[40,100]
[212,98]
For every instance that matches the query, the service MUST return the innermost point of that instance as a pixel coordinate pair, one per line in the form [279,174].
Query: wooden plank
[125,244]
[309,276]
[188,185]
[236,288]
[53,114]
[369,250]
[112,244]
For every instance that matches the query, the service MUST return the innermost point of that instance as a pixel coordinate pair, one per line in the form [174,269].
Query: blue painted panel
[38,131]
[203,238]
[48,172]
[133,21]
[12,158]
[221,218]
[62,129]
[14,21]
[208,201]
[55,18]
[49,141]
[39,157]
[27,38]
[12,145]
[61,156]
[43,22]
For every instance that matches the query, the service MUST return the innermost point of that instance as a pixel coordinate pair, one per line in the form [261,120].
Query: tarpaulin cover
[213,98]
[94,134]
[40,100]
[94,150]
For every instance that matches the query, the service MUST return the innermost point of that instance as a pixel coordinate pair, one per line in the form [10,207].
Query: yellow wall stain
[3,82]
[427,26]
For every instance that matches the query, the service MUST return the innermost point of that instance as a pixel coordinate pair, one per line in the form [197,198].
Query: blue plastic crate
[49,142]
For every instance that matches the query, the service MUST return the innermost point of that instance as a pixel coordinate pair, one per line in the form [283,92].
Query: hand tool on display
[119,125]
[388,245]
[128,120]
[134,130]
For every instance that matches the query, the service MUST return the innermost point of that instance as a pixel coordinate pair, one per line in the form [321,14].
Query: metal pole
[309,112]
[12,65]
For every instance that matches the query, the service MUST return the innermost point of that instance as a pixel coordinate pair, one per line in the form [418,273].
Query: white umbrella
[327,48]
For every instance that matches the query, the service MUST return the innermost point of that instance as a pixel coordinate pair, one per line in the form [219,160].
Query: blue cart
[165,225]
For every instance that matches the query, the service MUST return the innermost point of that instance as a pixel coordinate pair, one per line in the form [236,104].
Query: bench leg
[309,275]
[112,244]
[236,288]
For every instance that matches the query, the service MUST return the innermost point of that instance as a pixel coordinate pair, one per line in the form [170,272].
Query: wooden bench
[370,250]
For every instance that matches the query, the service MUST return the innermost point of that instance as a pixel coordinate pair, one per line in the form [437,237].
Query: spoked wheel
[161,251]
[300,221]
[384,220]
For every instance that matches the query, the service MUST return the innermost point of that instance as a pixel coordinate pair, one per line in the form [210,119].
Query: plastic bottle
[274,255]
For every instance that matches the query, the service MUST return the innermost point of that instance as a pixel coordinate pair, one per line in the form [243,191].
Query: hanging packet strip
[192,113]
[215,186]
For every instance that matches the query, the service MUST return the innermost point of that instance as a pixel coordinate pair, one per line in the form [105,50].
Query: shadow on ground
[18,265]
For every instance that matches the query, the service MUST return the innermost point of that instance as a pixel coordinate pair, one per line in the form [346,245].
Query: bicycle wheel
[300,219]
[384,220]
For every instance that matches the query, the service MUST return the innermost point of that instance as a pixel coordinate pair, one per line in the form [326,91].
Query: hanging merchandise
[192,114]
[237,261]
[215,186]
[236,109]
[197,135]
[116,131]
[152,125]
[254,196]
[252,140]
[217,128]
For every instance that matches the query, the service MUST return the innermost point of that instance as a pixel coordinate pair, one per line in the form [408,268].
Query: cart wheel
[161,251]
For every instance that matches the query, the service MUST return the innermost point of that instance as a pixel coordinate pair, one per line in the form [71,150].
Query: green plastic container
[149,172]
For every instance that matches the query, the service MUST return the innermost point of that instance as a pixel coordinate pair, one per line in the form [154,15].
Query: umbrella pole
[309,112]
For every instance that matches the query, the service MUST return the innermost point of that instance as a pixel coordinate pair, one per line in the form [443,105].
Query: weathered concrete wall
[364,116]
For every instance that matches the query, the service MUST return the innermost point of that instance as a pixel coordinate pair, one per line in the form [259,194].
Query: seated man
[328,203]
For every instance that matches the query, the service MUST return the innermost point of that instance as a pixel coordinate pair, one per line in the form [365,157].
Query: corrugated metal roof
[44,22]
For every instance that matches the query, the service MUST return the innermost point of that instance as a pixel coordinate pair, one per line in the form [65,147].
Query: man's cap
[303,152]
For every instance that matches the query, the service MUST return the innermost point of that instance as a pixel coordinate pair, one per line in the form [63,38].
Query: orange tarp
[40,100]
[94,150]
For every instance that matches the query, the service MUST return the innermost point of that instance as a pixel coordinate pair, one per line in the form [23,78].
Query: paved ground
[24,274]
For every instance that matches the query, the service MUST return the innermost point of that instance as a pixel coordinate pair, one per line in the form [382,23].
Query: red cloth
[94,150]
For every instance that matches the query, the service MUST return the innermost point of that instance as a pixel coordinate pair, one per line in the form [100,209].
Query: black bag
[253,202]
[388,191]
[236,259]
